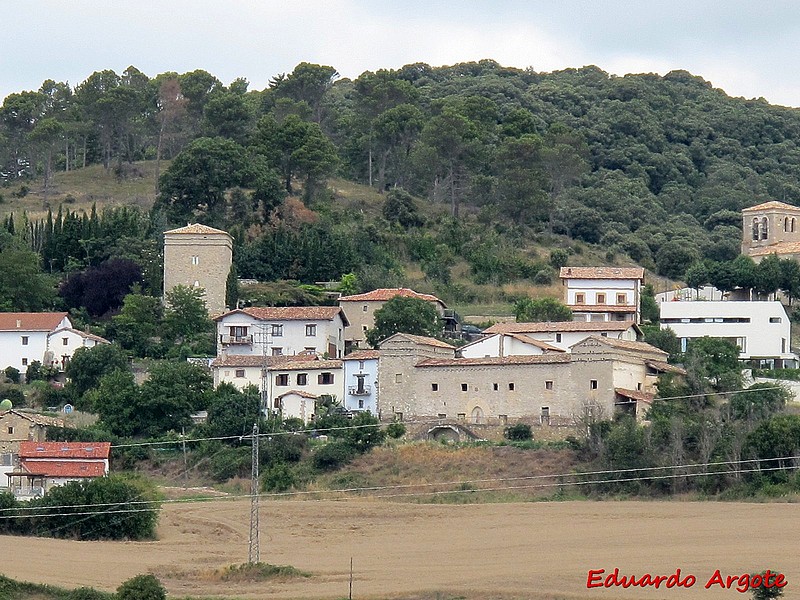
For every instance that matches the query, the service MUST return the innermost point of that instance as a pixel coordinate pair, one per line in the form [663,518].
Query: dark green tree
[89,365]
[406,315]
[142,587]
[528,310]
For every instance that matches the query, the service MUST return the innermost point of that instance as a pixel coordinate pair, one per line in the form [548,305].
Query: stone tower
[199,256]
[771,228]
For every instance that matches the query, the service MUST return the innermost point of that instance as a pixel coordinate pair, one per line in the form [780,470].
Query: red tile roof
[363,355]
[46,321]
[517,336]
[384,294]
[772,205]
[625,345]
[196,228]
[494,360]
[637,395]
[34,418]
[300,393]
[559,326]
[420,339]
[307,365]
[665,367]
[63,468]
[601,273]
[289,313]
[780,248]
[64,449]
[257,360]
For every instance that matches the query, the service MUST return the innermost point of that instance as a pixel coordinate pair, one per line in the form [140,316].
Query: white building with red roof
[603,293]
[281,331]
[360,310]
[44,465]
[564,334]
[25,337]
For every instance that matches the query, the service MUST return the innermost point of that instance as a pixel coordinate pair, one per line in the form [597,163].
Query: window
[310,349]
[434,387]
[503,419]
[604,334]
[282,380]
[24,362]
[580,298]
[774,319]
[511,387]
[755,229]
[593,384]
[195,260]
[277,351]
[495,386]
[398,417]
[325,379]
[311,330]
[364,308]
[783,345]
[442,415]
[302,379]
[622,299]
[361,365]
[558,337]
[764,228]
[364,328]
[277,330]
[545,418]
[462,416]
[464,387]
[24,340]
[398,378]
[601,298]
[239,372]
[548,385]
[10,431]
[360,403]
[237,331]
[65,341]
[786,224]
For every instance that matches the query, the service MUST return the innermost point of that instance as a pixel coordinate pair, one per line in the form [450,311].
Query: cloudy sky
[746,48]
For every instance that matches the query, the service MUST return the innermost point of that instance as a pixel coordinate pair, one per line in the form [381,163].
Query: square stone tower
[199,256]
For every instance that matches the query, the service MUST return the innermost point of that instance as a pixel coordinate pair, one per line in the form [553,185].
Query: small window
[10,431]
[24,362]
[364,328]
[277,330]
[24,340]
[277,351]
[360,403]
[364,308]
[398,417]
[282,380]
[558,337]
[603,334]
[309,349]
[239,372]
[464,387]
[361,365]
[511,387]
[442,415]
[325,379]
[601,299]
[195,260]
[503,419]
[593,384]
[639,387]
[580,298]
[495,386]
[622,299]
[548,385]
[398,378]
[311,330]
[302,379]
[545,418]
[65,341]
[462,416]
[774,319]
[434,387]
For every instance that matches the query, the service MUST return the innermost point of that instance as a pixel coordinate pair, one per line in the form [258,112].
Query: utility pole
[253,554]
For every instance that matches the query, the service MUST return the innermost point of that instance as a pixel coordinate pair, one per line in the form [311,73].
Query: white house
[63,342]
[603,293]
[761,330]
[506,344]
[564,334]
[313,377]
[296,404]
[281,331]
[25,337]
[361,381]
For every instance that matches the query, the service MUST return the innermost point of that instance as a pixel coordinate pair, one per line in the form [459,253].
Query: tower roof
[772,205]
[196,228]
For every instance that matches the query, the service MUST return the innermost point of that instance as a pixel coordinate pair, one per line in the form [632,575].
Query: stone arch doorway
[477,417]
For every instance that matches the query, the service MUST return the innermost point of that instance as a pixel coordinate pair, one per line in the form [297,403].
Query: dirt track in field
[523,550]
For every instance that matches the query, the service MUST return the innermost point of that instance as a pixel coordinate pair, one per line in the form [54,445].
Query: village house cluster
[547,374]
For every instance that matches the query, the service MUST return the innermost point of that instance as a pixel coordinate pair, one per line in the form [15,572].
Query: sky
[746,48]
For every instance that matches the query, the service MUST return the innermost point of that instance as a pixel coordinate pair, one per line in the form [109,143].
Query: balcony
[364,390]
[230,340]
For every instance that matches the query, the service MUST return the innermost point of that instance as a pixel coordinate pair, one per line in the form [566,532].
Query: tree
[527,310]
[307,83]
[715,360]
[664,339]
[138,325]
[117,401]
[233,412]
[406,315]
[88,365]
[173,392]
[186,316]
[399,208]
[101,289]
[23,287]
[759,402]
[142,587]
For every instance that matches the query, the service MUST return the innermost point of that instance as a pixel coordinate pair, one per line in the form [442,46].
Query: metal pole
[253,554]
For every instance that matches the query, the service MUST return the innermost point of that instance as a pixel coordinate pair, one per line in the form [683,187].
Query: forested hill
[649,166]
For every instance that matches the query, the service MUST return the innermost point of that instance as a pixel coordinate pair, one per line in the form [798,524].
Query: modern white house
[603,293]
[48,338]
[761,330]
[564,334]
[282,331]
[361,381]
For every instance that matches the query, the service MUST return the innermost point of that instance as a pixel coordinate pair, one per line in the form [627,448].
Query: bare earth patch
[400,550]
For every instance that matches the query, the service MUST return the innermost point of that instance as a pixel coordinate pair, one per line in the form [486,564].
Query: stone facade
[771,228]
[199,256]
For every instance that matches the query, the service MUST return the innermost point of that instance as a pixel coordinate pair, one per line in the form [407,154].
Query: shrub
[333,455]
[519,432]
[85,593]
[395,430]
[559,258]
[142,587]
[12,374]
[544,276]
[278,478]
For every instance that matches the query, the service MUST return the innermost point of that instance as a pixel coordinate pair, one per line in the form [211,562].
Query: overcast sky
[746,48]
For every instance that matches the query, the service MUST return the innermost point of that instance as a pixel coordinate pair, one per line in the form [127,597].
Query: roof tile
[64,449]
[46,321]
[559,326]
[196,228]
[289,313]
[601,273]
[383,294]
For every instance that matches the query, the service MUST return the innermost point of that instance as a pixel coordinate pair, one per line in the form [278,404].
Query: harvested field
[517,550]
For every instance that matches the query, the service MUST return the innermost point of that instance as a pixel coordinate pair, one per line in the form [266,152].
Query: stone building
[771,228]
[199,256]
